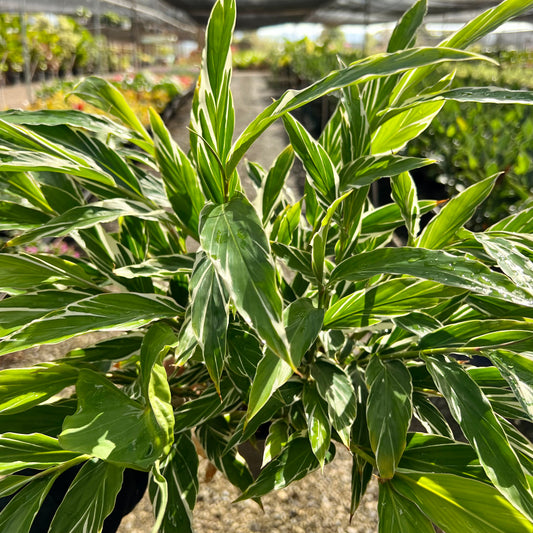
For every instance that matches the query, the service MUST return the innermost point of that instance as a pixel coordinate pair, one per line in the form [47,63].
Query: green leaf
[278,436]
[509,258]
[467,333]
[458,211]
[393,134]
[436,454]
[405,195]
[452,501]
[430,417]
[487,22]
[483,95]
[389,217]
[179,176]
[32,152]
[235,242]
[472,411]
[404,34]
[22,388]
[214,438]
[153,382]
[518,372]
[286,224]
[19,513]
[111,426]
[162,266]
[320,239]
[336,389]
[296,259]
[47,418]
[209,315]
[367,169]
[18,452]
[275,180]
[25,271]
[354,139]
[17,217]
[521,222]
[96,313]
[117,348]
[18,311]
[295,462]
[361,475]
[87,216]
[13,483]
[285,396]
[398,514]
[105,96]
[66,117]
[89,499]
[272,373]
[244,352]
[474,30]
[160,505]
[360,71]
[256,173]
[24,185]
[320,169]
[213,116]
[436,265]
[388,412]
[303,323]
[180,469]
[390,298]
[210,404]
[318,424]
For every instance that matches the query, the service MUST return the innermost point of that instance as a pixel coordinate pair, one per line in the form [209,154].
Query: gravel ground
[319,503]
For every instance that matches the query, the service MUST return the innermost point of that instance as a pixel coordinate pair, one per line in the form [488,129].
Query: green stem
[362,453]
[414,354]
[63,466]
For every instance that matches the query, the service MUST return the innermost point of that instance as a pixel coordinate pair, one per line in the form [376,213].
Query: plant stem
[63,466]
[362,453]
[414,354]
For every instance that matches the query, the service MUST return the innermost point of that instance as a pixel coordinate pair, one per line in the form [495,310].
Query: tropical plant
[310,318]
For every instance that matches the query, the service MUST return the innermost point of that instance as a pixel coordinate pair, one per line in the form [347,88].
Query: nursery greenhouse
[256,13]
[266,266]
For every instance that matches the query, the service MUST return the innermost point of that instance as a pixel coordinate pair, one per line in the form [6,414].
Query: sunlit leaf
[89,499]
[459,210]
[453,501]
[397,514]
[473,413]
[388,412]
[435,265]
[235,242]
[295,461]
[96,313]
[336,389]
[209,315]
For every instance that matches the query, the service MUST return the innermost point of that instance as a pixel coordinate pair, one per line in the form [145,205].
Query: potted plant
[308,317]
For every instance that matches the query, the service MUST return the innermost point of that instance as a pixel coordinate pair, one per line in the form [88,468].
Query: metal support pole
[98,34]
[366,23]
[25,52]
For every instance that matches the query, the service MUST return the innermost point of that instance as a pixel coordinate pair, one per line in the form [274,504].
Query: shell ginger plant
[310,319]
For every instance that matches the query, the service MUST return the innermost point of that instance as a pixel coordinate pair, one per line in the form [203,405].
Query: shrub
[308,318]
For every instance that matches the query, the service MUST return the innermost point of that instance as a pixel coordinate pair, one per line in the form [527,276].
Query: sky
[355,33]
